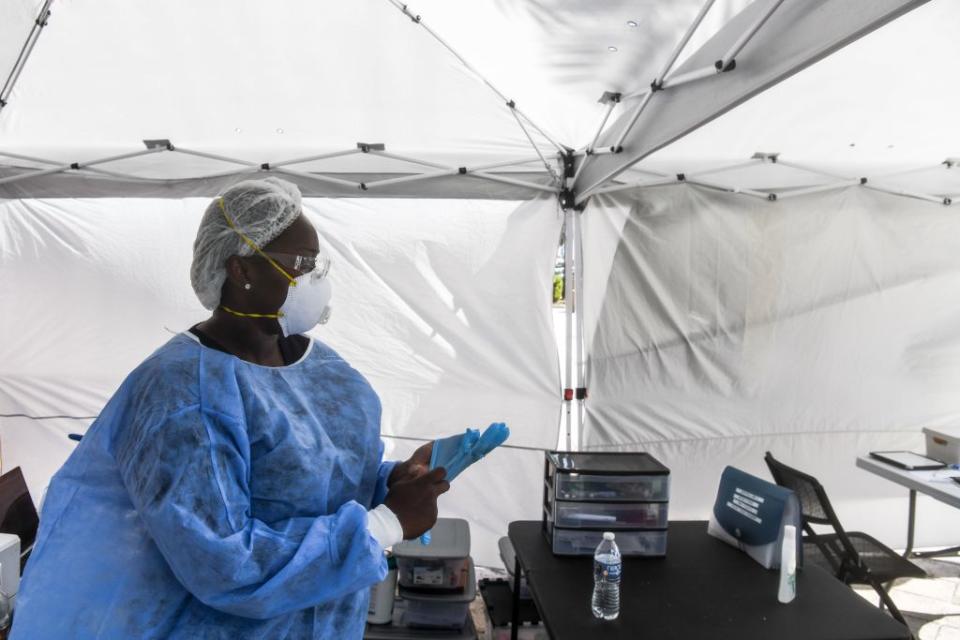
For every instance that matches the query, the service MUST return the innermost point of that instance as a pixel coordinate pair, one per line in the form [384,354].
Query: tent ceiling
[887,101]
[767,42]
[244,81]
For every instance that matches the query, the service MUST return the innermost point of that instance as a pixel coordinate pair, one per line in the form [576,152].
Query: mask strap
[253,245]
[275,316]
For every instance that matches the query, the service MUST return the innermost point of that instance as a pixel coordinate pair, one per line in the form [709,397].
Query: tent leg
[568,301]
[581,365]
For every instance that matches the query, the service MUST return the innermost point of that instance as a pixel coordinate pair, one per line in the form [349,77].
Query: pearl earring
[247,286]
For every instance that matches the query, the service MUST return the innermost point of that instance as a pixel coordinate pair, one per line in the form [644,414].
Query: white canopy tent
[729,304]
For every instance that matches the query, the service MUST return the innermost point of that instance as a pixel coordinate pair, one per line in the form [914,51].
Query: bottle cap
[608,535]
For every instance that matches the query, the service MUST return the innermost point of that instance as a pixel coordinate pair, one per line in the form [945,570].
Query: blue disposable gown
[214,498]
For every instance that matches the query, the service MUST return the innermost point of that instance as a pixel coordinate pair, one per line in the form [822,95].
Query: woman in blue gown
[234,485]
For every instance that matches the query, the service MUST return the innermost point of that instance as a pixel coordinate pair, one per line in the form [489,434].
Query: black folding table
[703,588]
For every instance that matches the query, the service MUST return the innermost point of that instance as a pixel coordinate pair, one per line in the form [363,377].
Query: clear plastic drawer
[577,486]
[594,515]
[574,542]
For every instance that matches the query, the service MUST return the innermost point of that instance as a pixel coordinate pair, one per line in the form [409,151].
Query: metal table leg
[515,621]
[910,523]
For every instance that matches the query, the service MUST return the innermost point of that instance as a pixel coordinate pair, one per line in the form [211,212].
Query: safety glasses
[317,265]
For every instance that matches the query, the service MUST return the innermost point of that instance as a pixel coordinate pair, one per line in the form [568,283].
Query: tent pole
[719,187]
[689,76]
[452,171]
[818,189]
[724,63]
[38,24]
[909,194]
[658,81]
[568,302]
[214,156]
[323,156]
[76,166]
[618,146]
[112,174]
[578,337]
[510,103]
[499,165]
[122,156]
[434,165]
[729,167]
[614,101]
[36,174]
[533,144]
[517,183]
[635,185]
[683,42]
[413,178]
[394,156]
[318,177]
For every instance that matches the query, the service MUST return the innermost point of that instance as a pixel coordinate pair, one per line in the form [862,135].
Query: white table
[936,484]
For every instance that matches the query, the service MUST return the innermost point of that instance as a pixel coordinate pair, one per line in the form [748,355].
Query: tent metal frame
[39,23]
[284,167]
[834,181]
[664,81]
[511,104]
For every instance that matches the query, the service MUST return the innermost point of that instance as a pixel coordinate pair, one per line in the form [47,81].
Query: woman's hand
[414,501]
[416,466]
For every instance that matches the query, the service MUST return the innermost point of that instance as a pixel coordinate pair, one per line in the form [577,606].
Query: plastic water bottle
[606,579]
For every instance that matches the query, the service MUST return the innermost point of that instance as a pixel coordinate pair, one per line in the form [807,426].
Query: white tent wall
[444,305]
[720,326]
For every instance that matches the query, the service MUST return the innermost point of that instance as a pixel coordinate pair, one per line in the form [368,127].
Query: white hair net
[261,209]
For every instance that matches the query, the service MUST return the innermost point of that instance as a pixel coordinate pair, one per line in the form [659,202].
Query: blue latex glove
[458,452]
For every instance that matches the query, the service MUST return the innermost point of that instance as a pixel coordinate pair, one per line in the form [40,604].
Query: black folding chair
[17,513]
[852,556]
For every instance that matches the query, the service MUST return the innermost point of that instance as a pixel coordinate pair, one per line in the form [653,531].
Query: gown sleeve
[383,475]
[188,476]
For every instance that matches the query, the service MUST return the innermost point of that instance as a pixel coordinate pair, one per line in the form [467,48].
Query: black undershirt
[292,348]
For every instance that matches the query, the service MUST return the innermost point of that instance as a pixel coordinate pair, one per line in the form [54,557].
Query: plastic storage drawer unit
[586,494]
[442,565]
[440,611]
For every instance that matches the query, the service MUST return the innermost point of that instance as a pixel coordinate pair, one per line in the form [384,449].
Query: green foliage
[557,288]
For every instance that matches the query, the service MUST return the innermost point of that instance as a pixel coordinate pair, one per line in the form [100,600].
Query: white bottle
[607,567]
[382,594]
[788,565]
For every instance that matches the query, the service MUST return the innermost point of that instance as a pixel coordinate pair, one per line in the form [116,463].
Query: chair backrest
[17,513]
[814,503]
[816,508]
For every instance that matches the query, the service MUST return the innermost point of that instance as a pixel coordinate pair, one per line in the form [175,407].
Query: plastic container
[397,630]
[435,610]
[586,494]
[442,565]
[579,542]
[623,515]
[607,570]
[380,610]
[943,446]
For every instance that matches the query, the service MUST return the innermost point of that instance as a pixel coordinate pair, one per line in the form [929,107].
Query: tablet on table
[907,460]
